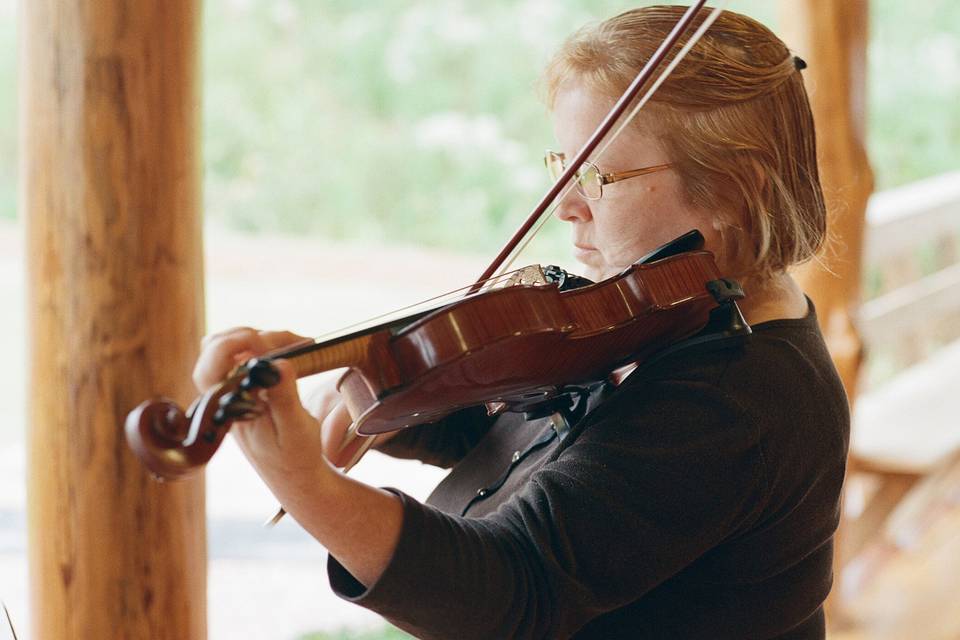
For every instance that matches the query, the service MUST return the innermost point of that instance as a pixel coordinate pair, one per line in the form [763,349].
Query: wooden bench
[906,427]
[904,431]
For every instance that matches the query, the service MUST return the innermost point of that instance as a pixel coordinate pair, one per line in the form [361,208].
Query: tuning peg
[260,374]
[240,411]
[234,397]
[236,405]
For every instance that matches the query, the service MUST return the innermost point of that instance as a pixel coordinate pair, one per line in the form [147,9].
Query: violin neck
[366,352]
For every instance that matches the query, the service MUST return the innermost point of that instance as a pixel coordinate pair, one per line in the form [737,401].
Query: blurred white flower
[455,26]
[405,44]
[529,177]
[356,26]
[466,137]
[239,6]
[285,13]
[424,30]
[548,22]
[940,56]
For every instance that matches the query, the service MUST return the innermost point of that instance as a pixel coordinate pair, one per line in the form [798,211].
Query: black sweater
[696,500]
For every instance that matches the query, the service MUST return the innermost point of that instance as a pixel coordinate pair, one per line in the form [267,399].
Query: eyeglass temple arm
[639,83]
[607,178]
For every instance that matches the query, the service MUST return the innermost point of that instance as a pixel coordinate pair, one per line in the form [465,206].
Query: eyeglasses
[589,180]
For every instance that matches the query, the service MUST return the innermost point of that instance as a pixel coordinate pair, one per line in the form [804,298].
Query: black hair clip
[799,63]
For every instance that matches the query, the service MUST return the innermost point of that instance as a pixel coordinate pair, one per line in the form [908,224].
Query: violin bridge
[529,275]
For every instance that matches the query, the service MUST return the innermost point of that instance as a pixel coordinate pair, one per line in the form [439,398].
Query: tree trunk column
[831,35]
[109,194]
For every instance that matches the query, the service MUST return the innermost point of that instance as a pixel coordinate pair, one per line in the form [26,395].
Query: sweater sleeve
[655,480]
[442,443]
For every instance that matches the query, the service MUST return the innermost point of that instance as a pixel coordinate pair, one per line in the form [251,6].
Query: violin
[513,346]
[510,347]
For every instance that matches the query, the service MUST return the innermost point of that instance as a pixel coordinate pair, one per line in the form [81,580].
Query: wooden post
[110,193]
[831,35]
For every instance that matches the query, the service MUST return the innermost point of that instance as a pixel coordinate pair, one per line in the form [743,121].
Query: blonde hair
[734,119]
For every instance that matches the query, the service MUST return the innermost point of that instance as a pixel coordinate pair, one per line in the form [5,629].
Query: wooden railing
[912,273]
[904,427]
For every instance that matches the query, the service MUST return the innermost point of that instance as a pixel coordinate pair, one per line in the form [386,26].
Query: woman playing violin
[695,498]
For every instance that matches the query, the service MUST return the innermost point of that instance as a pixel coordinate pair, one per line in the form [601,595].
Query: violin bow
[9,625]
[599,136]
[348,438]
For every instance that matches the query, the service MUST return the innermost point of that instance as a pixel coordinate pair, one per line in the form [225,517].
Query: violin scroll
[172,442]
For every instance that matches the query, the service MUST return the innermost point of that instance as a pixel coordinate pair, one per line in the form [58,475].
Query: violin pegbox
[173,443]
[240,404]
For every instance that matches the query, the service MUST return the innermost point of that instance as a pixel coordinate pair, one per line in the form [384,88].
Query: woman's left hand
[283,442]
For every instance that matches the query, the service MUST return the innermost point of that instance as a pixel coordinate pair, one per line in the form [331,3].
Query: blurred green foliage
[398,121]
[418,121]
[914,89]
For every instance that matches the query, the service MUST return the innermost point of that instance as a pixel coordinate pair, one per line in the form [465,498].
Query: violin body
[520,343]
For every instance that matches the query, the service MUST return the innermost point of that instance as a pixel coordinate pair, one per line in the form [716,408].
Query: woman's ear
[730,243]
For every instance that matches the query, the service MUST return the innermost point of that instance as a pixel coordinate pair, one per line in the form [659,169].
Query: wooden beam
[110,194]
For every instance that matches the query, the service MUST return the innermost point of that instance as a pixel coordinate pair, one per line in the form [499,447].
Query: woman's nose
[573,208]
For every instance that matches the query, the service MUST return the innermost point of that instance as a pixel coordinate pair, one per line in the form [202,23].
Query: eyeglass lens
[588,177]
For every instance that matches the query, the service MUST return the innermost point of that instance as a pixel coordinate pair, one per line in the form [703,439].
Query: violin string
[539,226]
[407,310]
[624,122]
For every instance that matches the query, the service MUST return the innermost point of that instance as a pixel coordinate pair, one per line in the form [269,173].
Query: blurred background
[362,155]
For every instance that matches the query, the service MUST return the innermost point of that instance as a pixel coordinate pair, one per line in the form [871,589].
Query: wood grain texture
[109,194]
[831,35]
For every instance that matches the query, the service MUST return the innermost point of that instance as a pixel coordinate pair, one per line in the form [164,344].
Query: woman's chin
[592,265]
